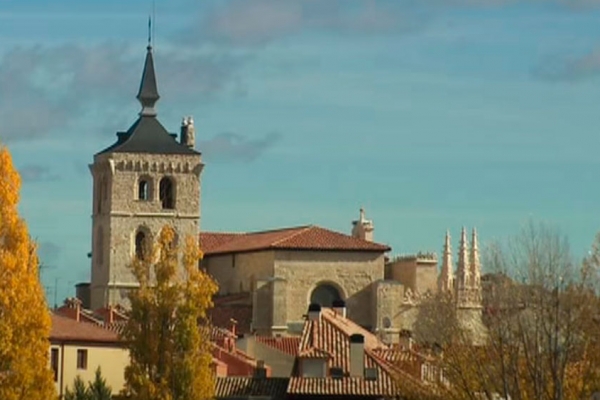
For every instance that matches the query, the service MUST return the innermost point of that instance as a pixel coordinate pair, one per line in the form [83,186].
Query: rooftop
[66,329]
[309,237]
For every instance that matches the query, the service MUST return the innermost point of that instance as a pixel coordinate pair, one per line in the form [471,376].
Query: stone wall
[351,272]
[118,213]
[387,299]
[415,274]
[236,273]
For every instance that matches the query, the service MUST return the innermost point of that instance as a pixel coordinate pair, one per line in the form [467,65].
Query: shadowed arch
[325,293]
[142,243]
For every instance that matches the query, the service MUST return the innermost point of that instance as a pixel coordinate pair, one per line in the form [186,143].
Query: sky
[431,114]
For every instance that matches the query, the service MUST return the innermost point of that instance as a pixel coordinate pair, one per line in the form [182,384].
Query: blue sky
[431,114]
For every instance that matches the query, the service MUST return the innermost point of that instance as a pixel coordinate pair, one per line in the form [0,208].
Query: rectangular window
[54,363]
[82,359]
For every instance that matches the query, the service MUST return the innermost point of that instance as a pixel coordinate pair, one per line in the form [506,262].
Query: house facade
[78,348]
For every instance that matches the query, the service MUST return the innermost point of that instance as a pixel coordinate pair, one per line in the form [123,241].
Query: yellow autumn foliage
[24,317]
[170,348]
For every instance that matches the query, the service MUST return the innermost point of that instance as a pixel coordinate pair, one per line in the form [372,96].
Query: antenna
[149,31]
[55,293]
[154,19]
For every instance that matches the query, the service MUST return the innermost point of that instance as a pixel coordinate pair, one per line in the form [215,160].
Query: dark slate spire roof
[148,93]
[147,135]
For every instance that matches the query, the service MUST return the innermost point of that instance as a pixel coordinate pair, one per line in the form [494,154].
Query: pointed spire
[446,282]
[463,270]
[474,261]
[148,93]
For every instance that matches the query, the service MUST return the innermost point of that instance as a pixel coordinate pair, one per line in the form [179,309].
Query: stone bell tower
[145,180]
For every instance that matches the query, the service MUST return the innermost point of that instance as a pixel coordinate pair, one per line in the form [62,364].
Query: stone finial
[188,133]
[463,270]
[363,228]
[474,261]
[446,281]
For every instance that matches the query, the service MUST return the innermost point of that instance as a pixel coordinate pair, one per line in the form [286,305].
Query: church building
[149,178]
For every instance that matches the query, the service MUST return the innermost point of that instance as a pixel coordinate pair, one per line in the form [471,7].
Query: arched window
[141,245]
[167,195]
[325,295]
[144,189]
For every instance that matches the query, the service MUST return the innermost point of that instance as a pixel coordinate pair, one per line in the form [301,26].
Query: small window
[82,359]
[141,241]
[144,190]
[167,195]
[54,363]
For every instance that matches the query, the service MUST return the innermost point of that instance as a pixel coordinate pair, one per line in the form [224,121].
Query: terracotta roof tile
[248,386]
[331,335]
[298,238]
[68,329]
[288,344]
[221,316]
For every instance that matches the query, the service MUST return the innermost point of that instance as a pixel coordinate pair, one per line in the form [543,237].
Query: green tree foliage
[168,343]
[98,388]
[24,317]
[79,392]
[95,390]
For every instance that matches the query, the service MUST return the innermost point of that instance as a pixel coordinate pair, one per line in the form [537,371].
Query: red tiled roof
[238,363]
[69,330]
[288,344]
[221,316]
[331,335]
[298,238]
[247,386]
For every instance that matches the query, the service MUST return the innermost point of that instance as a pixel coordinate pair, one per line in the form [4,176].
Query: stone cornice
[153,215]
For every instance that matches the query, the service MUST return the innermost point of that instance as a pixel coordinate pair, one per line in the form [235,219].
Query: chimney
[233,327]
[357,355]
[260,371]
[406,340]
[75,304]
[314,312]
[339,307]
[111,314]
[188,133]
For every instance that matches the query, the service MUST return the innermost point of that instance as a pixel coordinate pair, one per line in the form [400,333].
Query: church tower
[145,180]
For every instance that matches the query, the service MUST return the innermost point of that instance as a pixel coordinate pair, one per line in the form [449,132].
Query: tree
[543,331]
[166,335]
[96,390]
[80,391]
[24,317]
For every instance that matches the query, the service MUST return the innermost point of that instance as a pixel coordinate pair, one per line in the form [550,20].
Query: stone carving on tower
[144,181]
[446,278]
[467,283]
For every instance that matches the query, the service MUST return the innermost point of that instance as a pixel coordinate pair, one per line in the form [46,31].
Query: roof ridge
[334,321]
[395,370]
[299,232]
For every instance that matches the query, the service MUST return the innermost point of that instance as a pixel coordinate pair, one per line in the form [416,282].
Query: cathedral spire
[148,93]
[475,264]
[463,270]
[446,282]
